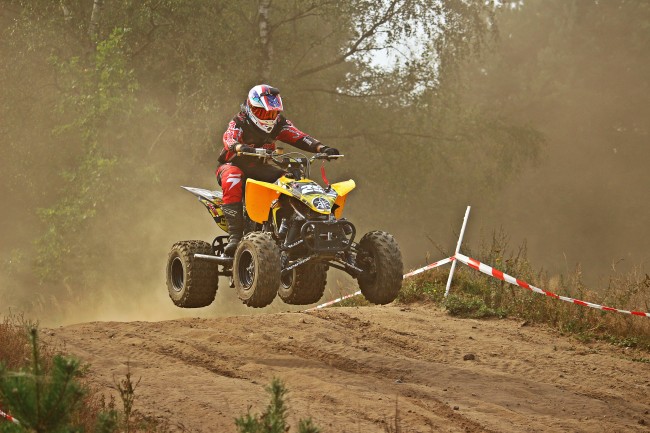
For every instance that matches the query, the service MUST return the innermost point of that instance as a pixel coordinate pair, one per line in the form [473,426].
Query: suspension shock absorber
[293,233]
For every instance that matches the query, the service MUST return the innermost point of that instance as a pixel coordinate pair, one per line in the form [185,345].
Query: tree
[577,71]
[112,104]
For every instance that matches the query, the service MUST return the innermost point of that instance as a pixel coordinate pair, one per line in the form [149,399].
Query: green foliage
[97,94]
[274,417]
[471,306]
[42,402]
[429,288]
[107,422]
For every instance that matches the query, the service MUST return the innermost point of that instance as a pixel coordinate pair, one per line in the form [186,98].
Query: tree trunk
[95,18]
[265,39]
[66,12]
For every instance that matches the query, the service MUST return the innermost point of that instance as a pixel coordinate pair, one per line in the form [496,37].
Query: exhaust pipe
[221,260]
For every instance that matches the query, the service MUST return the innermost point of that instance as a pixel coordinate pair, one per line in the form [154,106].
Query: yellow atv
[294,233]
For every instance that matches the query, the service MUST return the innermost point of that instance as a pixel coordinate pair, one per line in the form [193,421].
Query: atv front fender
[259,196]
[342,189]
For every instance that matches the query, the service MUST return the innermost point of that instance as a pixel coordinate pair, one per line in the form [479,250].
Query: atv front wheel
[191,282]
[381,261]
[256,269]
[303,285]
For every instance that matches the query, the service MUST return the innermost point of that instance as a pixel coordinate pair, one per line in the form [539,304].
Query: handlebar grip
[326,156]
[263,154]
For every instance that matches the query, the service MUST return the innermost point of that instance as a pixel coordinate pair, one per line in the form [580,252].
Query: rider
[258,125]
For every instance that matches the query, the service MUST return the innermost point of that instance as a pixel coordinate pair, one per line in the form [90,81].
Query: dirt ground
[349,368]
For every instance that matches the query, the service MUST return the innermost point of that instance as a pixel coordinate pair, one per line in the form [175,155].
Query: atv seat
[214,196]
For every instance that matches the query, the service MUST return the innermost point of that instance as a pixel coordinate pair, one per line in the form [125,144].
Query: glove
[329,151]
[246,149]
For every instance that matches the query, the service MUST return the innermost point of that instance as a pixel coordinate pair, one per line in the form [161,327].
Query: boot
[234,214]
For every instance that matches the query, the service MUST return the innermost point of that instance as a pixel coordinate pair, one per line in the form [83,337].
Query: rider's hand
[329,151]
[246,149]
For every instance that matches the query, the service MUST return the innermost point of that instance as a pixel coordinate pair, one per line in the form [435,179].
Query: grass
[474,294]
[15,348]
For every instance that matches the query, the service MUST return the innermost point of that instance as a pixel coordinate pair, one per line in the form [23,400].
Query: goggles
[263,114]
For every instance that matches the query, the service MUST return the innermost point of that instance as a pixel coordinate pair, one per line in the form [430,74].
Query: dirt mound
[347,367]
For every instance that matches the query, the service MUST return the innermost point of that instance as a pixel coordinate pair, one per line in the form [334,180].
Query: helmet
[263,106]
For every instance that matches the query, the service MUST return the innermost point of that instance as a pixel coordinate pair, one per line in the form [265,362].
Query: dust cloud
[578,73]
[585,201]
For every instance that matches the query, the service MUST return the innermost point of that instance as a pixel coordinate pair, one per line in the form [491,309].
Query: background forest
[534,112]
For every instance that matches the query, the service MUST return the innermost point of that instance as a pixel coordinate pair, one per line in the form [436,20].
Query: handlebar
[260,153]
[286,160]
[274,155]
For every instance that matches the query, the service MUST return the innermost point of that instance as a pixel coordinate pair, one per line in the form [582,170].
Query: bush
[471,306]
[274,418]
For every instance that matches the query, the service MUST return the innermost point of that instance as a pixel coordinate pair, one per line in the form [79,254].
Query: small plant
[274,418]
[471,306]
[126,388]
[430,288]
[42,401]
[15,342]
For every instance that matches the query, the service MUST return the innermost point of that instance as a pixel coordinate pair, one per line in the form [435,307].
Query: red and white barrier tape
[475,264]
[410,274]
[8,417]
[427,267]
[335,301]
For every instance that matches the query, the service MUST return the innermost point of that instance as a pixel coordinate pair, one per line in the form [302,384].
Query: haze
[533,112]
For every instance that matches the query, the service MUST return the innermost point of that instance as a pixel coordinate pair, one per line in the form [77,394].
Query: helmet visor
[263,114]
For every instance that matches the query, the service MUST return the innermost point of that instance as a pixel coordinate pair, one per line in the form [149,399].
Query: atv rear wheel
[381,261]
[191,282]
[303,285]
[256,269]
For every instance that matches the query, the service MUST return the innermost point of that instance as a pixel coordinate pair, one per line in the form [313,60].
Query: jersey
[242,131]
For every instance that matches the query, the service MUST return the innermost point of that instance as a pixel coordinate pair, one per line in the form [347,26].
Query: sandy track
[347,367]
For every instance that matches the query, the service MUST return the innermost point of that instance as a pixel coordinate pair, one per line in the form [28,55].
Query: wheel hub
[246,269]
[177,274]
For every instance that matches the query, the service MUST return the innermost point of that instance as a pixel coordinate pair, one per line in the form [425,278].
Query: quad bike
[294,232]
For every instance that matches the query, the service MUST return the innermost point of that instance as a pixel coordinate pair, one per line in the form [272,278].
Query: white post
[460,241]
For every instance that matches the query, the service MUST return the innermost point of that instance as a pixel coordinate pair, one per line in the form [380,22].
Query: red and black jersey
[242,131]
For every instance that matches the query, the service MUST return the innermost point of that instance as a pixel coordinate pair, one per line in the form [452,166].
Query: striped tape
[475,264]
[427,267]
[410,274]
[335,301]
[8,417]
